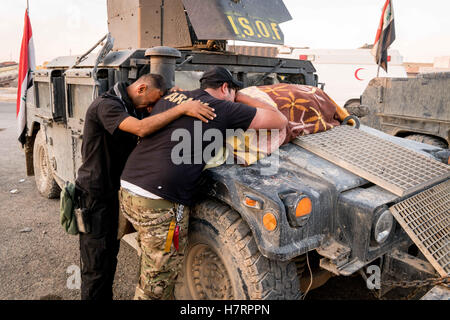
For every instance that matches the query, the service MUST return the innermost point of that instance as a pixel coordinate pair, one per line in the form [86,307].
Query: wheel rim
[207,277]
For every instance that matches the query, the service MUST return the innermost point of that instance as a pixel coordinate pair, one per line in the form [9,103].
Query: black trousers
[99,248]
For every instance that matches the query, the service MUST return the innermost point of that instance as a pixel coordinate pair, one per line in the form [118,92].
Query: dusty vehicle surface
[9,72]
[254,235]
[416,108]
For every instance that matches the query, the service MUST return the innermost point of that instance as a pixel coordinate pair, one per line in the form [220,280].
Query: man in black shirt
[156,186]
[112,126]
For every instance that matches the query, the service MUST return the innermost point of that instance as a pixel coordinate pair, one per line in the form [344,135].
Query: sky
[73,26]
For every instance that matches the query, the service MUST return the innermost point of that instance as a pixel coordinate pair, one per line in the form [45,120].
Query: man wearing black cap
[156,186]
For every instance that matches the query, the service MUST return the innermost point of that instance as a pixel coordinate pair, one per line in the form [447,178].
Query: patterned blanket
[309,110]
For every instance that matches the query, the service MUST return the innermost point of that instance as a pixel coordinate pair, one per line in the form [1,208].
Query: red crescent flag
[385,35]
[26,65]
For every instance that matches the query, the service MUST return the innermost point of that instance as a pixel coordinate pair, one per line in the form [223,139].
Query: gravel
[35,251]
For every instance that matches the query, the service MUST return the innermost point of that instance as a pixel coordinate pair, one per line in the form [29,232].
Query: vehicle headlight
[298,207]
[383,226]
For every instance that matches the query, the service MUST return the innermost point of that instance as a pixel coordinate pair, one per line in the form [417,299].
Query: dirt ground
[8,94]
[34,264]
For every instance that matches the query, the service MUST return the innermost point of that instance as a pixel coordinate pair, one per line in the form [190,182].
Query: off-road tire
[356,109]
[43,174]
[428,140]
[221,243]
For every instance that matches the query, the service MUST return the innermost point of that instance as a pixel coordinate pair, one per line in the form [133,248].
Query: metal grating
[426,219]
[397,169]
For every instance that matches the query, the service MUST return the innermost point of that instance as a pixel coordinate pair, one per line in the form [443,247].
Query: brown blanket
[309,110]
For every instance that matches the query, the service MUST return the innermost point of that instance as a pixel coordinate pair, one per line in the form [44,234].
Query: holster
[82,213]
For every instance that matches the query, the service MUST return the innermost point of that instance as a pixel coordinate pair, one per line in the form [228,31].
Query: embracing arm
[156,122]
[267,117]
[253,102]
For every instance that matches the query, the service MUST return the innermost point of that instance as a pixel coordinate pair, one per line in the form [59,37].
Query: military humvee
[233,252]
[416,109]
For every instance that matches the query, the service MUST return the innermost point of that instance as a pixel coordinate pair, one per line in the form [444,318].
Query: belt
[146,202]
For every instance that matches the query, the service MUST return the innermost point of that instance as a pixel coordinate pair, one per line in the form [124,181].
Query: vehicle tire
[428,140]
[356,109]
[222,261]
[43,175]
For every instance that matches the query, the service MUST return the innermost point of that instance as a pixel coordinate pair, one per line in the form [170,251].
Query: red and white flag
[26,65]
[385,35]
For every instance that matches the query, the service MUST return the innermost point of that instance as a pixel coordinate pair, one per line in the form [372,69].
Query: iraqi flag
[26,65]
[385,36]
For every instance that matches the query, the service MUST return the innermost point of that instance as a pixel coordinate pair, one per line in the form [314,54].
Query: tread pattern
[428,140]
[265,279]
[47,186]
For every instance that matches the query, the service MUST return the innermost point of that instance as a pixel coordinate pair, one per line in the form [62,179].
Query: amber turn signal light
[270,221]
[304,207]
[252,203]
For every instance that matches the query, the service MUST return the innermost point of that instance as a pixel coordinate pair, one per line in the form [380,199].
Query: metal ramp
[437,293]
[392,167]
[425,217]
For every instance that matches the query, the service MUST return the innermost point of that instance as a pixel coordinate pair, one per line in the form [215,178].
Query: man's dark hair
[154,80]
[208,84]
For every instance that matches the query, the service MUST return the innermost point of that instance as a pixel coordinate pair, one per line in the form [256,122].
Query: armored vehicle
[320,206]
[416,108]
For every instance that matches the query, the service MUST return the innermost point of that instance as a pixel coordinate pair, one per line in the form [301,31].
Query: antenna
[162,22]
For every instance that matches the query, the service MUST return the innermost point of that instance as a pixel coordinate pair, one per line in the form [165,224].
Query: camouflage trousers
[152,219]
